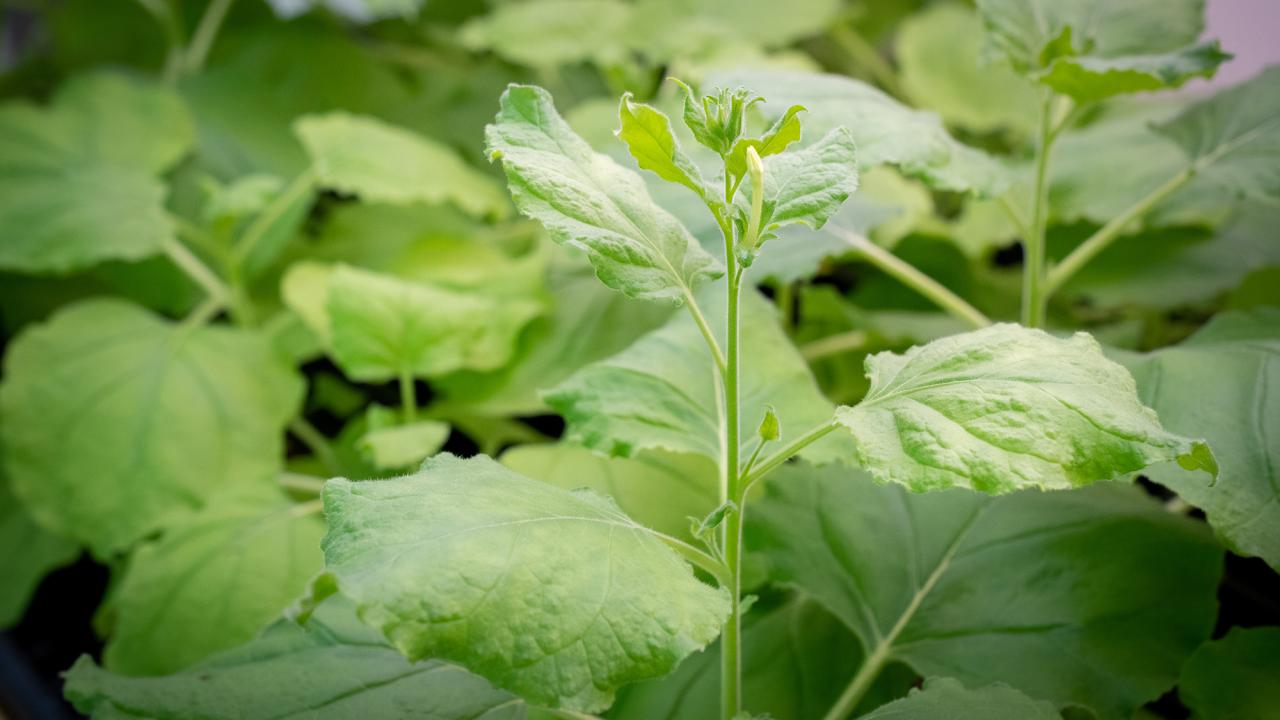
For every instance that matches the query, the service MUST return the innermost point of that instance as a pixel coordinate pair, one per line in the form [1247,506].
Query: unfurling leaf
[554,595]
[648,135]
[785,130]
[588,201]
[807,186]
[717,120]
[1006,408]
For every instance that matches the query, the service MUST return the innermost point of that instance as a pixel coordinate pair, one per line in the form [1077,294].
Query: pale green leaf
[334,668]
[212,582]
[1092,597]
[884,130]
[784,131]
[662,393]
[159,415]
[1089,79]
[656,489]
[382,163]
[1234,678]
[390,444]
[1006,408]
[1223,383]
[652,142]
[588,201]
[947,699]
[554,595]
[548,33]
[668,29]
[363,11]
[32,553]
[807,186]
[1233,138]
[78,179]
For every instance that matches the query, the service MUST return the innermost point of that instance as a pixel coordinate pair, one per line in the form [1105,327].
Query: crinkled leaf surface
[662,392]
[1234,678]
[158,415]
[1006,408]
[1234,137]
[78,179]
[884,130]
[1223,383]
[32,552]
[212,582]
[588,201]
[947,699]
[656,489]
[334,668]
[1093,597]
[382,163]
[807,186]
[554,595]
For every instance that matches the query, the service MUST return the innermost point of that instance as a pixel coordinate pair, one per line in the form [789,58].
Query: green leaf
[212,582]
[549,33]
[947,699]
[390,445]
[1234,677]
[78,179]
[656,489]
[939,53]
[1028,589]
[1089,79]
[1006,408]
[33,552]
[159,415]
[523,583]
[884,130]
[1224,383]
[382,163]
[652,142]
[1233,138]
[363,11]
[808,186]
[785,130]
[333,669]
[588,201]
[661,392]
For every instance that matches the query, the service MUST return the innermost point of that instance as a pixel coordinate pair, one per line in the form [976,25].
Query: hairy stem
[731,640]
[206,32]
[703,327]
[1034,297]
[908,275]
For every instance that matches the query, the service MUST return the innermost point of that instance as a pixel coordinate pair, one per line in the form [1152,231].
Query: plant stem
[1034,299]
[785,297]
[865,56]
[908,275]
[698,557]
[298,482]
[206,31]
[165,16]
[317,443]
[1108,233]
[195,269]
[787,452]
[833,345]
[731,639]
[701,321]
[408,395]
[272,213]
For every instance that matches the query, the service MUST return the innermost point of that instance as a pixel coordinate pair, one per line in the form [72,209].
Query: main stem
[1034,297]
[731,639]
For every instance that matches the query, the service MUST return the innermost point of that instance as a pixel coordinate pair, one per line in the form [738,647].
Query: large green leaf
[212,582]
[807,186]
[1234,678]
[159,417]
[1092,597]
[78,179]
[884,130]
[588,201]
[1006,408]
[662,392]
[1092,49]
[547,33]
[554,595]
[32,552]
[656,489]
[334,668]
[1233,138]
[1224,383]
[382,163]
[947,699]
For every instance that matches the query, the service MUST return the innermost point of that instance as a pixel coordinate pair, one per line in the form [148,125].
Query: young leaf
[717,120]
[947,699]
[554,595]
[1224,383]
[661,392]
[33,552]
[1234,677]
[212,582]
[807,186]
[390,446]
[78,180]
[159,415]
[588,201]
[1089,79]
[335,668]
[785,130]
[884,130]
[1233,138]
[1006,408]
[648,135]
[1027,589]
[381,163]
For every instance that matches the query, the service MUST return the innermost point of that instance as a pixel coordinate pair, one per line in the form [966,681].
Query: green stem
[206,32]
[1108,233]
[785,297]
[834,345]
[731,640]
[163,12]
[703,327]
[787,452]
[317,443]
[865,56]
[297,482]
[195,269]
[702,559]
[1034,298]
[408,395]
[203,313]
[271,214]
[908,275]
